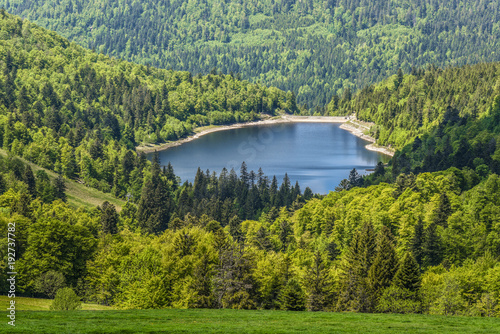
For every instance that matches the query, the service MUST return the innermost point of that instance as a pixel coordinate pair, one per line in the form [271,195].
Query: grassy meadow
[240,321]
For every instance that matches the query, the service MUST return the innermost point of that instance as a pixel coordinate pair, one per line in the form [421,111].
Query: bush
[398,300]
[66,299]
[49,283]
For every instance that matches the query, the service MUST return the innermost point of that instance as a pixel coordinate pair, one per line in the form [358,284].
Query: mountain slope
[315,48]
[81,113]
[436,118]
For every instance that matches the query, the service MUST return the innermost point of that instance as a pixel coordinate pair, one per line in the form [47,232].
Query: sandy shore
[355,127]
[358,128]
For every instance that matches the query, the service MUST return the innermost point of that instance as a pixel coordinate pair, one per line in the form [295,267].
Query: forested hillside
[314,48]
[436,118]
[82,114]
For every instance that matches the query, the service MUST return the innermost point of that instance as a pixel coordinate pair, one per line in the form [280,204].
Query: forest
[421,235]
[435,118]
[315,48]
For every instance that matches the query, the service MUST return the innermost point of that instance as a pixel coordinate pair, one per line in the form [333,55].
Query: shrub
[66,299]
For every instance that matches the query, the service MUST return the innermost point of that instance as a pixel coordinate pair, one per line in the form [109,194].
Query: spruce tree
[262,239]
[431,248]
[316,283]
[292,297]
[29,179]
[235,228]
[60,188]
[408,274]
[385,264]
[357,261]
[443,211]
[109,218]
[417,242]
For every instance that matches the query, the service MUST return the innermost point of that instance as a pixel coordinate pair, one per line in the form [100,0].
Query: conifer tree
[443,211]
[408,274]
[431,248]
[60,188]
[354,291]
[284,234]
[317,283]
[262,239]
[292,297]
[417,242]
[235,228]
[109,218]
[384,265]
[29,179]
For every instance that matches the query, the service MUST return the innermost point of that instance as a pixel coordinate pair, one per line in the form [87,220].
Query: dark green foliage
[432,119]
[317,283]
[262,239]
[431,247]
[60,188]
[443,211]
[292,297]
[49,283]
[235,228]
[109,218]
[355,290]
[408,275]
[418,242]
[81,114]
[384,265]
[29,179]
[355,179]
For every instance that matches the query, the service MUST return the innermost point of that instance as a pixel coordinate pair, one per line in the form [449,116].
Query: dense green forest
[435,118]
[315,48]
[82,114]
[418,242]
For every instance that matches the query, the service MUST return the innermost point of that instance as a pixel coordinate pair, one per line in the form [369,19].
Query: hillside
[436,118]
[81,114]
[314,48]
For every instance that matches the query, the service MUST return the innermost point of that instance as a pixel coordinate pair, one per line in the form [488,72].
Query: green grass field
[239,321]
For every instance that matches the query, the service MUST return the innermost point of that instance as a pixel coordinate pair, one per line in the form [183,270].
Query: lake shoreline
[348,123]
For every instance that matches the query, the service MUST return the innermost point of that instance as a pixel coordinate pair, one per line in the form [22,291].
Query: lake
[318,155]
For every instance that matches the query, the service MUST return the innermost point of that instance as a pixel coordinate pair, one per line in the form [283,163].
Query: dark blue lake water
[318,155]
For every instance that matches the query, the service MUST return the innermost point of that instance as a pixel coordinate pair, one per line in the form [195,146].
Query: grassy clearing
[78,194]
[39,304]
[239,321]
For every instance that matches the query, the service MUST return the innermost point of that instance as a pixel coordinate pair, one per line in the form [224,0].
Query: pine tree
[317,283]
[417,242]
[356,265]
[109,218]
[384,265]
[292,297]
[408,274]
[431,248]
[29,179]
